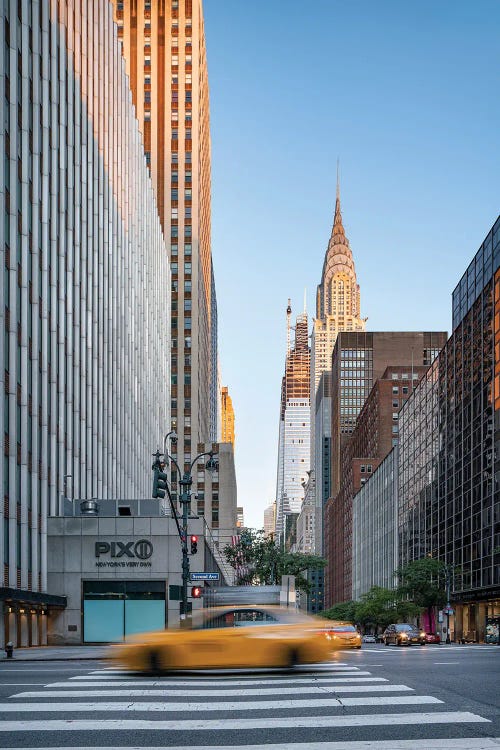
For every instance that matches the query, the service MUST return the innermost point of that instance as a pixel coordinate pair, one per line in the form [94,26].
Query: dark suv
[403,634]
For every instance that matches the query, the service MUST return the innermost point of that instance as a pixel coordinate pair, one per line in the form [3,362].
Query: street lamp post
[185,482]
[448,571]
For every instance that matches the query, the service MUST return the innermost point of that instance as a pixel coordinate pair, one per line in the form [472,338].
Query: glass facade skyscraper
[85,302]
[450,490]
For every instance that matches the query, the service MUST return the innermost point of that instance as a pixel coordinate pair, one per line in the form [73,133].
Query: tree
[257,559]
[343,611]
[423,582]
[377,607]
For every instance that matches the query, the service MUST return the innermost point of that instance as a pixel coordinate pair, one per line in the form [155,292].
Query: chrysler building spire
[338,291]
[337,309]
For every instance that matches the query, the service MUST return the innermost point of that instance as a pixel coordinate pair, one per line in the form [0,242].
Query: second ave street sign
[204,576]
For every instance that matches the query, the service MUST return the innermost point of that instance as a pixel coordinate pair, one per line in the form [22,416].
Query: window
[362,469]
[394,416]
[405,390]
[395,390]
[369,468]
[394,376]
[395,429]
[395,404]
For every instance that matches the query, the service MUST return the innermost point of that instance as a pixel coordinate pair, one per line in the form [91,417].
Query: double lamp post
[161,488]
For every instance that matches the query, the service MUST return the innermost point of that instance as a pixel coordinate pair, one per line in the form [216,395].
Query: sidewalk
[57,653]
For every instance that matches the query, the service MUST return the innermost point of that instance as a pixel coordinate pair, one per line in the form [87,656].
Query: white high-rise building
[294,427]
[85,295]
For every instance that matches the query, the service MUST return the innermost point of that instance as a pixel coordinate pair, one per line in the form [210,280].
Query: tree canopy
[423,582]
[258,560]
[422,585]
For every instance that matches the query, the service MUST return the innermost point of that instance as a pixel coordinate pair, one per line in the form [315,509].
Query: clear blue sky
[407,96]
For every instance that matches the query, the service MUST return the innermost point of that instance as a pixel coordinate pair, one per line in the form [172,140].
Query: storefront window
[115,609]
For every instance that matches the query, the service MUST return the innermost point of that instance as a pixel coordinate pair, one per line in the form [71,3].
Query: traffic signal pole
[185,499]
[160,488]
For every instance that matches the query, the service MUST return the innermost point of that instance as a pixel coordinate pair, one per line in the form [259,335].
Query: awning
[32,597]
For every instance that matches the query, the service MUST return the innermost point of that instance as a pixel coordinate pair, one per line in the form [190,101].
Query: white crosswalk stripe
[333,702]
[286,722]
[470,743]
[337,698]
[138,693]
[216,683]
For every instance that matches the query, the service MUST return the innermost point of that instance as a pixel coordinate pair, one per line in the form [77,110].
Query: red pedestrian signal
[196,592]
[194,544]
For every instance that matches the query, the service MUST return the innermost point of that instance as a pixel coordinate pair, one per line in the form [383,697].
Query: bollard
[9,650]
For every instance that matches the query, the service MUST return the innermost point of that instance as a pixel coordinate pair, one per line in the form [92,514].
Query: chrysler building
[337,309]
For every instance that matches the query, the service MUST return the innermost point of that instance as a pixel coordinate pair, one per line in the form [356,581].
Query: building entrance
[115,609]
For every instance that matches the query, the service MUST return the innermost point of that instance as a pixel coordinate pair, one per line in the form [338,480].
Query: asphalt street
[383,698]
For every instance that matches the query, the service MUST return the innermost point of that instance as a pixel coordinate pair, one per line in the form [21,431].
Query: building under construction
[294,426]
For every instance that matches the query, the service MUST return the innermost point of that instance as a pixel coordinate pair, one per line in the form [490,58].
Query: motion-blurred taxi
[237,637]
[343,635]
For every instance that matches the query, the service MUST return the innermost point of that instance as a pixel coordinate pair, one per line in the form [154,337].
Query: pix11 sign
[204,576]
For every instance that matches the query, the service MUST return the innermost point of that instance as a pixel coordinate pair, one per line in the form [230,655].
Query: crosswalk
[336,706]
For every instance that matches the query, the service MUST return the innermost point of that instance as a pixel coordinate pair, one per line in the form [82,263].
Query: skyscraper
[85,289]
[294,426]
[227,418]
[164,49]
[359,359]
[337,309]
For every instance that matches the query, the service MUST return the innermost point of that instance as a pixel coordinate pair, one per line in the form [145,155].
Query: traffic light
[194,544]
[159,482]
[196,592]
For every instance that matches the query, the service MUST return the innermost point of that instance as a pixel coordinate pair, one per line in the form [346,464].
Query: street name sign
[205,576]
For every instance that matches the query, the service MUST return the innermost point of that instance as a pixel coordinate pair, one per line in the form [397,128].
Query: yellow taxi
[222,637]
[343,635]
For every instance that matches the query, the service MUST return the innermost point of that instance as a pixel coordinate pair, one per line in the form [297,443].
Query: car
[229,637]
[403,634]
[368,638]
[343,635]
[432,638]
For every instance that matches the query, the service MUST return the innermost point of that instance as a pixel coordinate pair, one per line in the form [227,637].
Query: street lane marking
[173,683]
[446,662]
[269,722]
[312,689]
[223,707]
[471,743]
